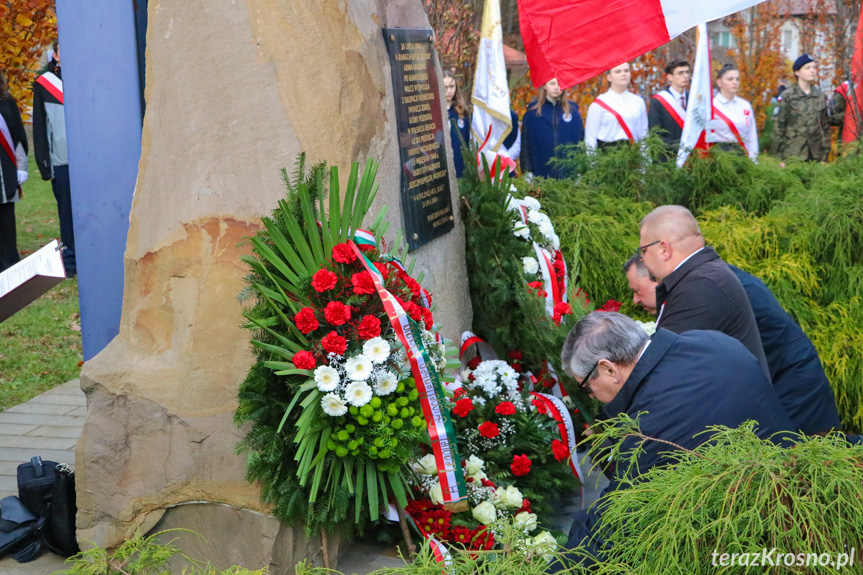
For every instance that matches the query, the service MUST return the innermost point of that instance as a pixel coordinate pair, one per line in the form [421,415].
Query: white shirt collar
[722,99]
[687,259]
[677,95]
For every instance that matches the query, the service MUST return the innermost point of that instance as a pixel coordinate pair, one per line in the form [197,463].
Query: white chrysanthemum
[530,203]
[386,384]
[333,405]
[529,265]
[377,349]
[327,378]
[358,368]
[358,393]
[520,230]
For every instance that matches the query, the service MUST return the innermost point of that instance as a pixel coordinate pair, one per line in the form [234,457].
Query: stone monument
[235,90]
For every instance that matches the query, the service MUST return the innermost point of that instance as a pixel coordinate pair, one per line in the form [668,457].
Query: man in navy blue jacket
[685,383]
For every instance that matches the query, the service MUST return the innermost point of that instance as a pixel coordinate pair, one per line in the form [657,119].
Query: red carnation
[363,283]
[540,406]
[428,319]
[366,248]
[334,343]
[558,265]
[517,367]
[324,280]
[455,395]
[304,360]
[337,313]
[474,363]
[306,320]
[413,310]
[413,285]
[525,506]
[384,269]
[488,429]
[487,483]
[560,450]
[505,408]
[520,465]
[344,254]
[561,309]
[469,479]
[515,354]
[369,327]
[463,406]
[610,305]
[538,287]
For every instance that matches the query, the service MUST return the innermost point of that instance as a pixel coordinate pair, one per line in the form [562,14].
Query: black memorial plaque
[425,195]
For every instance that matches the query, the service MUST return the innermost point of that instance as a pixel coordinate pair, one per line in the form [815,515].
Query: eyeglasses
[584,386]
[640,251]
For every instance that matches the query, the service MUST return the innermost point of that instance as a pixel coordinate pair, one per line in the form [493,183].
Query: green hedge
[798,228]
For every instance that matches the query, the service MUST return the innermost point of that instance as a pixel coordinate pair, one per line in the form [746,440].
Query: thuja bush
[798,228]
[738,494]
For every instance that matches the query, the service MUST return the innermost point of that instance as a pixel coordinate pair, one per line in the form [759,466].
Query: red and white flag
[574,40]
[491,119]
[699,112]
[854,91]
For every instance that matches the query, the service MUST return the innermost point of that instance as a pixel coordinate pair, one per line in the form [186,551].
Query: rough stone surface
[235,90]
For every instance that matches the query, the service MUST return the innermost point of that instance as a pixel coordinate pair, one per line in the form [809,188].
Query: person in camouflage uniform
[802,125]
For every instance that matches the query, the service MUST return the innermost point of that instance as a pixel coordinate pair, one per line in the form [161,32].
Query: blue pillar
[101,82]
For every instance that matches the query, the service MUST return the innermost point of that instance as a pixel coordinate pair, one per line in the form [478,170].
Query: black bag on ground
[47,489]
[20,531]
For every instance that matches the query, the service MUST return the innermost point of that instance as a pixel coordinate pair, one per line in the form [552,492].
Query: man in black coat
[685,383]
[668,107]
[795,369]
[696,290]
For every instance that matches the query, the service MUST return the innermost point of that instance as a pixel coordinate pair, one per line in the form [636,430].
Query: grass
[41,344]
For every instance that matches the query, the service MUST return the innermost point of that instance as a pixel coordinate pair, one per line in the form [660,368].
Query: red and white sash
[620,119]
[718,113]
[670,104]
[52,83]
[6,141]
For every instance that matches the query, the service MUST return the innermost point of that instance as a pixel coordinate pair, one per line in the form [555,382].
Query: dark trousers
[8,238]
[63,195]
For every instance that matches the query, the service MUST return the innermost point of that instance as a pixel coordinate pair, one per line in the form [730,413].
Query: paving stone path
[49,425]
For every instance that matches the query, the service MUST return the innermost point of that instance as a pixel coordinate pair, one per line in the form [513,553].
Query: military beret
[802,61]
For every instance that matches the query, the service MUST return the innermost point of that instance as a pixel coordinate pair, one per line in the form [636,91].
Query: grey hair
[640,268]
[601,335]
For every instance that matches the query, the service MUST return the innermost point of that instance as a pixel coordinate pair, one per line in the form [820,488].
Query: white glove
[22,177]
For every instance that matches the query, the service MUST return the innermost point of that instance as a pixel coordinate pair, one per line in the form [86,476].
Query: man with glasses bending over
[681,385]
[697,290]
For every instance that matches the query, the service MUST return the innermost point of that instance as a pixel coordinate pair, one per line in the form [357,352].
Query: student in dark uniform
[13,172]
[551,120]
[668,107]
[459,120]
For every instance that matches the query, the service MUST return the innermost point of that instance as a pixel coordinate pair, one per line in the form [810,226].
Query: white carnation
[555,241]
[547,230]
[512,204]
[537,218]
[358,368]
[327,378]
[529,265]
[358,393]
[376,349]
[530,203]
[333,405]
[520,230]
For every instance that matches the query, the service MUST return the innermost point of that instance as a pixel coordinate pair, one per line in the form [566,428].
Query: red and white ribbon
[557,410]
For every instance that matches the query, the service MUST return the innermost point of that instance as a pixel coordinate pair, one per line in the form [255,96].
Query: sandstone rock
[235,90]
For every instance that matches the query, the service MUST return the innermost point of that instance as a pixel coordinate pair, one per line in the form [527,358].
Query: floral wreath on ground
[516,459]
[336,412]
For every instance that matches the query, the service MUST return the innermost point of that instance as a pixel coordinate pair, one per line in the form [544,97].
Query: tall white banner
[490,87]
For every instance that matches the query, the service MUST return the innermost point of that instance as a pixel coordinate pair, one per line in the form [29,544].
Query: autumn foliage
[27,28]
